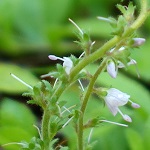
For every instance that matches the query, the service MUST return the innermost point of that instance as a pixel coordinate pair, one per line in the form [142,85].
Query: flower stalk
[84,104]
[45,129]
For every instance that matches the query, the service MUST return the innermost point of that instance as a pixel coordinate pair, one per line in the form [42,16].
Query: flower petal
[113,109]
[117,97]
[67,64]
[111,69]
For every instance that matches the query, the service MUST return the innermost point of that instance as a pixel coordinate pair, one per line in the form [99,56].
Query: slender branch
[85,101]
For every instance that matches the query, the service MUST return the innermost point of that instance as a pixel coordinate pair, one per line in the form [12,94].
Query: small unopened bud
[138,41]
[52,57]
[127,118]
[111,69]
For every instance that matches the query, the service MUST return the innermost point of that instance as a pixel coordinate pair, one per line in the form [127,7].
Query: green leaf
[9,84]
[16,122]
[135,140]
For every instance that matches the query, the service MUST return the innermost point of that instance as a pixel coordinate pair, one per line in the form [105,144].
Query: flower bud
[111,69]
[138,42]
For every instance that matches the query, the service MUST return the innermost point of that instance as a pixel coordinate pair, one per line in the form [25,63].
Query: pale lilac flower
[112,69]
[134,105]
[113,65]
[116,98]
[67,62]
[138,41]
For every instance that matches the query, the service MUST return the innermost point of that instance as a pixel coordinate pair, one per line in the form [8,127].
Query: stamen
[127,118]
[89,138]
[53,57]
[76,26]
[21,81]
[134,105]
[116,123]
[120,112]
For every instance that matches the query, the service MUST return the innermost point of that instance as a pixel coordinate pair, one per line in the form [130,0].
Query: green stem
[45,129]
[46,135]
[94,56]
[99,53]
[85,101]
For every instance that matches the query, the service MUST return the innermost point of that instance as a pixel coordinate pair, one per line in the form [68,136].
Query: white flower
[67,62]
[116,98]
[112,69]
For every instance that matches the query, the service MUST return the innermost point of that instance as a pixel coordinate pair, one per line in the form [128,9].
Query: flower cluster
[120,58]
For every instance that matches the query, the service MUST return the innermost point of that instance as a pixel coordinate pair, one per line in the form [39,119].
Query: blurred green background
[30,30]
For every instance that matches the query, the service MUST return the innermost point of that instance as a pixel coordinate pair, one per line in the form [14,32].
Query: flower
[114,64]
[116,98]
[138,42]
[67,62]
[112,69]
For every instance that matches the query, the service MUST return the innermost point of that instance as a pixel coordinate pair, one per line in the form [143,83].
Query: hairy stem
[45,129]
[85,101]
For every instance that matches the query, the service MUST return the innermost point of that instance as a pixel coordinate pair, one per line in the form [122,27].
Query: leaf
[135,140]
[16,122]
[10,85]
